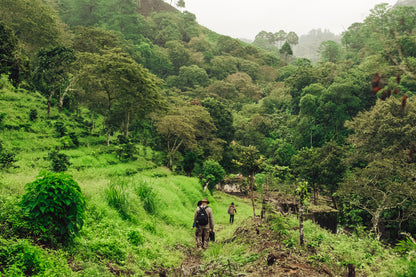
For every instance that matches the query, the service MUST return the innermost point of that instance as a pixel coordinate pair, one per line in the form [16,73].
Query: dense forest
[126,93]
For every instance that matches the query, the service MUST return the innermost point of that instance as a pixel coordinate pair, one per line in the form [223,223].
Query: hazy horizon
[243,19]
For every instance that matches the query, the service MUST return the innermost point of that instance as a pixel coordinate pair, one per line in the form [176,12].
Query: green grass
[139,214]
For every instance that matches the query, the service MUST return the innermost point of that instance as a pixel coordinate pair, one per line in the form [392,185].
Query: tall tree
[178,133]
[382,160]
[36,24]
[12,62]
[115,85]
[52,73]
[330,51]
[250,161]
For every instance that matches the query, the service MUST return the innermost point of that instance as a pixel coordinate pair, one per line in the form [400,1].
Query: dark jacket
[210,224]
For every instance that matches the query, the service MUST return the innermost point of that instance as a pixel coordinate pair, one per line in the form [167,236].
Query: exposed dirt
[274,258]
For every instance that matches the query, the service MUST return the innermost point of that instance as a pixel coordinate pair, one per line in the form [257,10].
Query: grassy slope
[135,242]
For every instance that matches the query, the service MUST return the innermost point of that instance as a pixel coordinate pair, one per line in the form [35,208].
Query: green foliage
[33,115]
[212,174]
[20,258]
[54,206]
[135,237]
[116,195]
[125,152]
[279,224]
[7,159]
[60,161]
[60,129]
[405,246]
[148,196]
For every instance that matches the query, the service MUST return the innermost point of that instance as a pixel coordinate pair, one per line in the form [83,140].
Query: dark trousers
[231,218]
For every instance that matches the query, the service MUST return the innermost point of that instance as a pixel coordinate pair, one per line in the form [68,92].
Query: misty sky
[246,18]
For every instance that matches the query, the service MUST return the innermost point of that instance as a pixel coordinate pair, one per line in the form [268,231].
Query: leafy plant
[54,205]
[135,237]
[22,259]
[116,194]
[33,115]
[148,196]
[60,129]
[60,161]
[212,174]
[405,246]
[7,159]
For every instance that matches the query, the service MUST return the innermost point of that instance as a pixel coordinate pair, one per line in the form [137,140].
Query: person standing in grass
[231,211]
[204,222]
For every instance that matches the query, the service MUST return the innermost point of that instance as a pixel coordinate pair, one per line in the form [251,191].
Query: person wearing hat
[204,221]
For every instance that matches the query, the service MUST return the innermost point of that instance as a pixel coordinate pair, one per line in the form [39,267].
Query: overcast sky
[246,18]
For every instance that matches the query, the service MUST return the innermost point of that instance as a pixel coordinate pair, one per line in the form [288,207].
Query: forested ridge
[117,116]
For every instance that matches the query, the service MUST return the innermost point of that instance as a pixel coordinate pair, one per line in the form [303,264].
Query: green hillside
[118,116]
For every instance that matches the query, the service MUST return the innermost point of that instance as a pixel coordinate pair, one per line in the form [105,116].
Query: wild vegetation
[117,116]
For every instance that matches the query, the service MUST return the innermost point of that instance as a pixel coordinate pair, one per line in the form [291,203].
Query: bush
[60,129]
[33,115]
[116,195]
[148,196]
[22,259]
[135,238]
[60,161]
[212,173]
[6,159]
[54,206]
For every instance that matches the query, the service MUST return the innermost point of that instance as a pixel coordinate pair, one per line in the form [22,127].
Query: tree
[305,164]
[192,76]
[382,161]
[292,38]
[280,37]
[286,51]
[12,62]
[330,51]
[52,73]
[178,54]
[303,194]
[180,4]
[113,84]
[250,161]
[36,25]
[177,132]
[212,174]
[222,118]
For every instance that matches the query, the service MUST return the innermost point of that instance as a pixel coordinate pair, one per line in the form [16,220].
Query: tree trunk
[127,124]
[93,123]
[51,94]
[251,178]
[108,138]
[301,236]
[376,222]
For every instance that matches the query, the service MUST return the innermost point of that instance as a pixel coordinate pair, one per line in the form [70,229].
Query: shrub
[19,258]
[148,197]
[54,206]
[135,238]
[212,173]
[6,159]
[116,195]
[60,129]
[125,152]
[33,115]
[60,161]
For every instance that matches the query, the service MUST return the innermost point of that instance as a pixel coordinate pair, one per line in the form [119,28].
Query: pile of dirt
[274,258]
